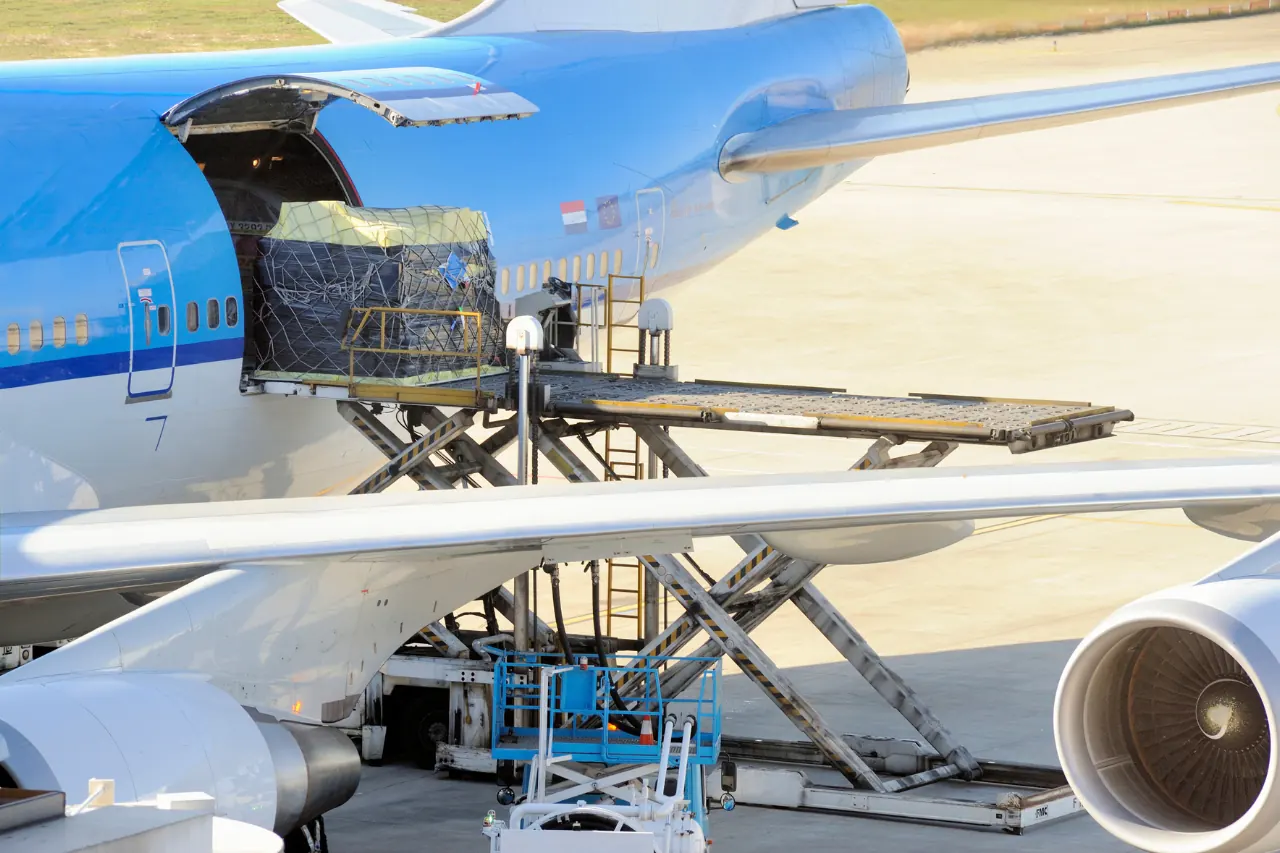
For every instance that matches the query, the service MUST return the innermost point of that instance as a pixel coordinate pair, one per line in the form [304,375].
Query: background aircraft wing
[355,21]
[827,138]
[583,522]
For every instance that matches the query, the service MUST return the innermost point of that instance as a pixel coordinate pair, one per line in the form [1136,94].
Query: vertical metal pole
[524,338]
[522,424]
[521,586]
[652,587]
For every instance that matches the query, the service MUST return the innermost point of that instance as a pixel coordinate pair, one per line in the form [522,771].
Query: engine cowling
[157,733]
[1165,719]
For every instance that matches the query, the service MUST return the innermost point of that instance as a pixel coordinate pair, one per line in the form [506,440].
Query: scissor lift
[575,406]
[602,769]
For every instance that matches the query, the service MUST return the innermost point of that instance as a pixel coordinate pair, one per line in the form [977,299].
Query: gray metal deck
[1021,425]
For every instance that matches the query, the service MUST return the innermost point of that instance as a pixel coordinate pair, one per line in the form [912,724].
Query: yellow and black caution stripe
[760,556]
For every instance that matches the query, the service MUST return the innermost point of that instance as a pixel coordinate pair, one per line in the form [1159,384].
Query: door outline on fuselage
[147,383]
[647,219]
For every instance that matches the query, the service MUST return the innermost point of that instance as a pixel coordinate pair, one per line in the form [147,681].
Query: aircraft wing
[827,138]
[98,548]
[356,21]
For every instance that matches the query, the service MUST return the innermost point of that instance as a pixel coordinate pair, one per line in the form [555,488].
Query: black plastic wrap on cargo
[309,291]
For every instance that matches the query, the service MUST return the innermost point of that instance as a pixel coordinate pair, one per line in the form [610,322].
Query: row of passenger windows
[582,268]
[213,312]
[35,334]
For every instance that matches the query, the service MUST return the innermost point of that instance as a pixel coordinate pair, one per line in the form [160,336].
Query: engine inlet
[1196,725]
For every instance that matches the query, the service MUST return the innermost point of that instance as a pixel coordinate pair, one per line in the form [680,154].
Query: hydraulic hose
[490,613]
[561,634]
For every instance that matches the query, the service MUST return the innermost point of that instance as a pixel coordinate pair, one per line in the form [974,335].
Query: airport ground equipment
[627,779]
[575,405]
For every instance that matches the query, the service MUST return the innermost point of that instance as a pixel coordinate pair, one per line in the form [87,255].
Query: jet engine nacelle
[157,733]
[1165,718]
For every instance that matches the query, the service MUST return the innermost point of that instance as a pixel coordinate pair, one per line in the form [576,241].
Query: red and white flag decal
[574,214]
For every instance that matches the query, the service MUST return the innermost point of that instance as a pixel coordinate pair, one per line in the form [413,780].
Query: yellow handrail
[365,313]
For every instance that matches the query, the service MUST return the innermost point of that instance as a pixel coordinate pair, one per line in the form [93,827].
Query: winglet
[357,21]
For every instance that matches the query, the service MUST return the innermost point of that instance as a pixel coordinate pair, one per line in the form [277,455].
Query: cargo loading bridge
[603,383]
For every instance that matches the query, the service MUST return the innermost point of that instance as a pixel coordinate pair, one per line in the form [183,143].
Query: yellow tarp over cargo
[334,222]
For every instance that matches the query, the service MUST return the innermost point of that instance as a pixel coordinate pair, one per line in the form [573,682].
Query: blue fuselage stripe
[113,363]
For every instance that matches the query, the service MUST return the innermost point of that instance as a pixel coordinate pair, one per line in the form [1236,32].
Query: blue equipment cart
[601,762]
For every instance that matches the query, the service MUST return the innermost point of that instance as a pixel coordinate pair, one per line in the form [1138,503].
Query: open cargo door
[405,97]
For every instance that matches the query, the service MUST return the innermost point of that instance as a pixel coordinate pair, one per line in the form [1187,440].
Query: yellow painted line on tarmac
[1017,522]
[1138,521]
[1227,206]
[1208,201]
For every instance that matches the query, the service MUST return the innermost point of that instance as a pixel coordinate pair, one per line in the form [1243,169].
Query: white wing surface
[100,548]
[358,21]
[823,139]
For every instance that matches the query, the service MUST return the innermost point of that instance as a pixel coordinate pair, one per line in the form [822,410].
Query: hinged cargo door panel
[405,97]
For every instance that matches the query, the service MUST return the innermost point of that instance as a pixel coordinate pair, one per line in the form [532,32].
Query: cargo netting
[394,296]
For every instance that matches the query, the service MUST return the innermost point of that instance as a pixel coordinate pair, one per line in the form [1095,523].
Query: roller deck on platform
[1020,425]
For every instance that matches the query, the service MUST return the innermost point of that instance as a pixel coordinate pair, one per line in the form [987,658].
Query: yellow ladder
[623,456]
[625,576]
[612,342]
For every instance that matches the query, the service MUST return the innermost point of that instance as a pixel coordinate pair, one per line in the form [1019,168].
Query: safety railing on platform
[584,723]
[389,346]
[595,310]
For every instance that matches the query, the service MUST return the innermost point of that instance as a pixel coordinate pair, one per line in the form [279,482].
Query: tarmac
[1130,262]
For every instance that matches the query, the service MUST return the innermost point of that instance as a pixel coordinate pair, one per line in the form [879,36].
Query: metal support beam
[794,584]
[757,566]
[564,460]
[841,633]
[504,602]
[797,573]
[381,437]
[415,454]
[738,646]
[464,448]
[650,588]
[445,641]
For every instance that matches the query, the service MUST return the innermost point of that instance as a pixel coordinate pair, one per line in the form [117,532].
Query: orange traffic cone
[646,732]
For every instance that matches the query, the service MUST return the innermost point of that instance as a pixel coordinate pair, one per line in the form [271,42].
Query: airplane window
[519,278]
[163,321]
[37,335]
[506,279]
[546,270]
[59,332]
[193,317]
[591,266]
[211,314]
[233,311]
[562,269]
[617,262]
[82,329]
[653,255]
[14,338]
[604,264]
[533,276]
[577,267]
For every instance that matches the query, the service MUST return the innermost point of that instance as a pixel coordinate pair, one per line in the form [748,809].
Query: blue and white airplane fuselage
[100,198]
